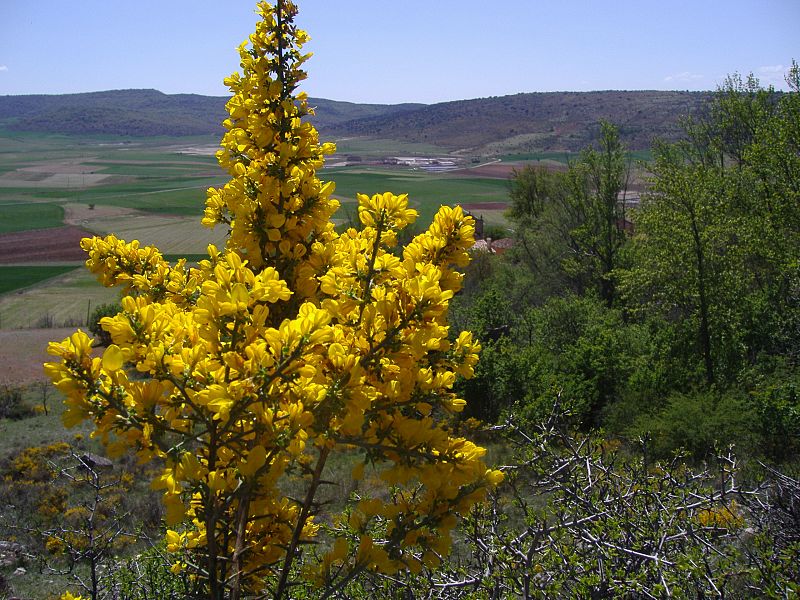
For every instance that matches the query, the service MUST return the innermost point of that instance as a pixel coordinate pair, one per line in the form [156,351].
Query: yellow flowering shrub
[724,516]
[291,343]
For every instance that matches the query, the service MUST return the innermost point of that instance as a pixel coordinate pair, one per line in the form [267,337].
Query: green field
[426,191]
[162,195]
[25,216]
[168,177]
[14,278]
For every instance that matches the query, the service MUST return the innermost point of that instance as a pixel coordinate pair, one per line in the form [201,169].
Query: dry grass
[63,301]
[172,235]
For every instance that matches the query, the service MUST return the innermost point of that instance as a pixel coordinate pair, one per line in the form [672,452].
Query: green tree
[571,226]
[538,209]
[681,232]
[598,182]
[715,253]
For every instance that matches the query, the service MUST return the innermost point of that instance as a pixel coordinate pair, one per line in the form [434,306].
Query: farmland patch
[59,244]
[27,179]
[22,352]
[63,301]
[172,235]
[426,191]
[16,277]
[26,216]
[504,170]
[492,213]
[83,215]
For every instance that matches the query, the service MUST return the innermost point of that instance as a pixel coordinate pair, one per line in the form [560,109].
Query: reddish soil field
[503,170]
[22,352]
[43,245]
[494,171]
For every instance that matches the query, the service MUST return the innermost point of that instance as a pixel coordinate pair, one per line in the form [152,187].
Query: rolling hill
[530,122]
[142,113]
[535,122]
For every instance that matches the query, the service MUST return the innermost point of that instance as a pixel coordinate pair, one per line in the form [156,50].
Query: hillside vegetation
[537,121]
[145,113]
[117,112]
[520,123]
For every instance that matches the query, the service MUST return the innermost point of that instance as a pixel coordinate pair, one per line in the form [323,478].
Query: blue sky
[408,51]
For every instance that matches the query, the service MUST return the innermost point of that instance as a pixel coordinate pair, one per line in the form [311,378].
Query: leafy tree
[596,183]
[683,238]
[715,253]
[728,125]
[538,208]
[291,344]
[572,225]
[573,346]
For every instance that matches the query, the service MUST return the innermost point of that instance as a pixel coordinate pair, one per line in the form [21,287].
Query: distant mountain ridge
[523,122]
[115,112]
[536,121]
[150,112]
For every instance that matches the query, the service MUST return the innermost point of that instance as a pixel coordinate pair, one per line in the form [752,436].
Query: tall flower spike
[275,205]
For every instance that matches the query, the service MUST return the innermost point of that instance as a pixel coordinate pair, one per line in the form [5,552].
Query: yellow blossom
[243,374]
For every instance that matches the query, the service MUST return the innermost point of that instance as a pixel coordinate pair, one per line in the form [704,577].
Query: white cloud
[684,77]
[772,75]
[3,68]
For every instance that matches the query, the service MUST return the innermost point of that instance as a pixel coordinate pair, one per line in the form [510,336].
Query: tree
[596,183]
[572,225]
[681,230]
[538,209]
[291,344]
[715,250]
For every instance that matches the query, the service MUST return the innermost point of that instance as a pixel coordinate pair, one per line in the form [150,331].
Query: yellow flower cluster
[275,205]
[292,342]
[722,517]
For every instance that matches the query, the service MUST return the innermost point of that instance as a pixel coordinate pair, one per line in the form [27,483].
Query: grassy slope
[426,191]
[64,300]
[14,278]
[21,217]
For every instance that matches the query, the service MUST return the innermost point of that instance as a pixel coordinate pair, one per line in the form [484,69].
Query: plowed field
[43,245]
[23,351]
